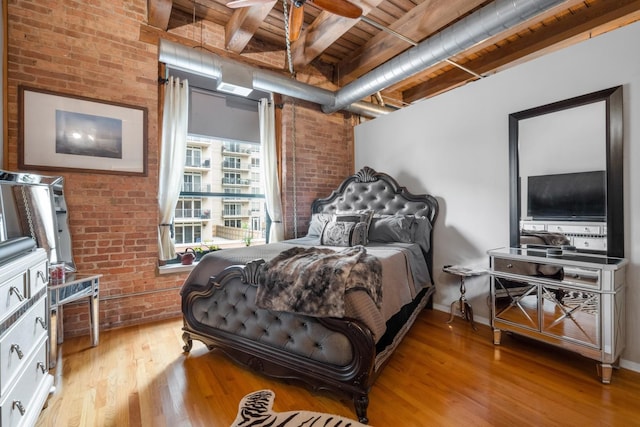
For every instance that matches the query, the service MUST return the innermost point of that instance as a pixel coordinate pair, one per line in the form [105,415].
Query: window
[188,233]
[192,182]
[223,198]
[194,157]
[232,178]
[188,208]
[231,162]
[232,209]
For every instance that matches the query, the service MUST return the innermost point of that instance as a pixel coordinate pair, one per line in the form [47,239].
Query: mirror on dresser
[565,166]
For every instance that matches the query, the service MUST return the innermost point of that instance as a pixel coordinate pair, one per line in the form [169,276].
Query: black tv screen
[569,196]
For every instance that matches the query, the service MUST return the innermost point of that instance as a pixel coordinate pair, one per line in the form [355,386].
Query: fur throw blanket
[313,281]
[549,238]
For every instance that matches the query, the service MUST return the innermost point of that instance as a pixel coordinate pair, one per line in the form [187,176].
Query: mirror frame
[614,162]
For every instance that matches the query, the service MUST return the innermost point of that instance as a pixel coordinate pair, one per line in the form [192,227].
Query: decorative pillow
[360,216]
[342,233]
[391,228]
[317,223]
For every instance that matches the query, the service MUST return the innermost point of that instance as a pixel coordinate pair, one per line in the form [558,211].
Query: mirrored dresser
[566,298]
[25,381]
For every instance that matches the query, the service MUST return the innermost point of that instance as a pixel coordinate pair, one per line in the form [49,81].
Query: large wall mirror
[565,166]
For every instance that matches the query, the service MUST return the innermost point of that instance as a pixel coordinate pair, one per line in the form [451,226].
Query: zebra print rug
[256,409]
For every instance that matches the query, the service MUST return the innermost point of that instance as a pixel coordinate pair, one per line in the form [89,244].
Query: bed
[348,320]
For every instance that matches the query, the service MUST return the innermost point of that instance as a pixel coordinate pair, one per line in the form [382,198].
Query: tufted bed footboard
[323,353]
[342,355]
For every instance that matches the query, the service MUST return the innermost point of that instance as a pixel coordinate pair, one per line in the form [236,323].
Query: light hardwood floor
[442,375]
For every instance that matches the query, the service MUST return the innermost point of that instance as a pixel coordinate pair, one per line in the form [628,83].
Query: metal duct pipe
[210,65]
[480,25]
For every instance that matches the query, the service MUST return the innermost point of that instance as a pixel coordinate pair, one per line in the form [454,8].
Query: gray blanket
[313,281]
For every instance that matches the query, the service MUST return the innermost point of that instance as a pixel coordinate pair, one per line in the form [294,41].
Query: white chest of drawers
[25,381]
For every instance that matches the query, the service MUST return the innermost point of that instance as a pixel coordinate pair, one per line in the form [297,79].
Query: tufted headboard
[368,189]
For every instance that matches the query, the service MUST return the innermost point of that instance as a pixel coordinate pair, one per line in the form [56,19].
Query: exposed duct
[480,25]
[210,65]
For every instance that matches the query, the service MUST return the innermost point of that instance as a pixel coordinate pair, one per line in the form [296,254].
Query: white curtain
[172,158]
[266,113]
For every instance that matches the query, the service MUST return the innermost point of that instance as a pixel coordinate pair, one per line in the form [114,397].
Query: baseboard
[626,364]
[632,366]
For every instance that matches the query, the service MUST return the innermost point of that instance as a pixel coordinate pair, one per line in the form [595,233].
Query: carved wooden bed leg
[361,403]
[188,343]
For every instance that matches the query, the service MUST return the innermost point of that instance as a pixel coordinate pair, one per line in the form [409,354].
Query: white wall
[455,146]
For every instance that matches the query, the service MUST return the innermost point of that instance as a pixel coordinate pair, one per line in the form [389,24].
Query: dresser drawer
[592,243]
[18,343]
[528,226]
[551,272]
[38,277]
[12,295]
[25,389]
[575,229]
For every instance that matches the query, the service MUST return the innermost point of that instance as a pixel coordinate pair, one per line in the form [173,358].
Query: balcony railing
[235,200]
[238,150]
[234,167]
[240,214]
[194,163]
[235,181]
[196,188]
[192,214]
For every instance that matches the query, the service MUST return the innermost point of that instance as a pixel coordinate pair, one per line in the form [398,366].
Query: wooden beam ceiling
[579,24]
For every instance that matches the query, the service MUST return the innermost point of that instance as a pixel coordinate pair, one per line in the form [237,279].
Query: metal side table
[75,287]
[466,312]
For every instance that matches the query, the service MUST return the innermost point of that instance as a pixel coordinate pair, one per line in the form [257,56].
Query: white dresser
[25,381]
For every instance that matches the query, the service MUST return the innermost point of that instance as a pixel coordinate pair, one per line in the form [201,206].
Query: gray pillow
[421,232]
[318,221]
[391,228]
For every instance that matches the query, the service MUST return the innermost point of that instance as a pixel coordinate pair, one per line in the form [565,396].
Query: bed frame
[337,355]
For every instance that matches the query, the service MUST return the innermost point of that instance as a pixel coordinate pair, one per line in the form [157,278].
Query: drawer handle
[509,265]
[42,276]
[19,405]
[42,368]
[16,291]
[16,348]
[42,322]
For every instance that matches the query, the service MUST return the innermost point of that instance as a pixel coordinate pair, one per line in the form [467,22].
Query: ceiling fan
[296,17]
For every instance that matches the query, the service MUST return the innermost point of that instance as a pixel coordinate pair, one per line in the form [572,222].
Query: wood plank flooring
[442,375]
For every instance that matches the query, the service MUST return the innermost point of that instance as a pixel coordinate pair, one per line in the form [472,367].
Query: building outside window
[222,198]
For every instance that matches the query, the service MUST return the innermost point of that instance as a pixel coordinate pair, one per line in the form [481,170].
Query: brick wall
[323,147]
[94,49]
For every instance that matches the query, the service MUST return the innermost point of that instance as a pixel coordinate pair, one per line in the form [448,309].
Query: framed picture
[67,132]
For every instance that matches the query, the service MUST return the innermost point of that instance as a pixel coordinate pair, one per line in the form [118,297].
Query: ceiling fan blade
[245,3]
[338,7]
[296,19]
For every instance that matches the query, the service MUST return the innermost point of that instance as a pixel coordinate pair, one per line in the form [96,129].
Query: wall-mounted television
[577,196]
